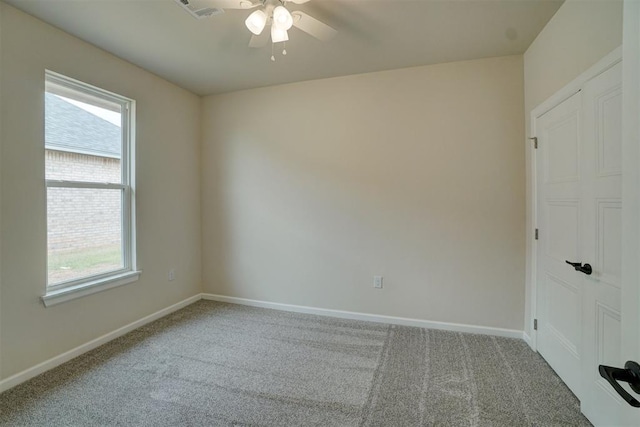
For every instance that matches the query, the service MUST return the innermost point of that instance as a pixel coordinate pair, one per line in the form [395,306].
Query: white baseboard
[38,369]
[456,327]
[27,374]
[528,340]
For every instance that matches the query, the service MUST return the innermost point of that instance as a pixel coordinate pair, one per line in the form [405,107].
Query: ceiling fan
[273,13]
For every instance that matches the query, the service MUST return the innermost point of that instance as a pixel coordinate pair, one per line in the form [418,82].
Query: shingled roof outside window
[72,129]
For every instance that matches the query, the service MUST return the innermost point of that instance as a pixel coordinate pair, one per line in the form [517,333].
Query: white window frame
[73,289]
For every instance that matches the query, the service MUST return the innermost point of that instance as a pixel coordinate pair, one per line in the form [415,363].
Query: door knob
[630,374]
[586,269]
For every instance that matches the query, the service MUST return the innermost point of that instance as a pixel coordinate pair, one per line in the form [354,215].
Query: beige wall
[311,189]
[578,35]
[168,193]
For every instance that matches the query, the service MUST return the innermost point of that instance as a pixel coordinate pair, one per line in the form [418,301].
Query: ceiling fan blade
[259,41]
[229,4]
[298,1]
[312,26]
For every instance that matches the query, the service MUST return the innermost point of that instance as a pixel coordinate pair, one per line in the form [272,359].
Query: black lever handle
[630,374]
[586,269]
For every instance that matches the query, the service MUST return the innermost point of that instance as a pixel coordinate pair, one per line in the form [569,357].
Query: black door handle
[630,374]
[586,269]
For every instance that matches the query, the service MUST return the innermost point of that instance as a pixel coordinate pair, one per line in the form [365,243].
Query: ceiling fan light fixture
[278,34]
[256,22]
[282,18]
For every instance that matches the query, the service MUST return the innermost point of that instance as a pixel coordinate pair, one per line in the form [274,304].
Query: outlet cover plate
[377,282]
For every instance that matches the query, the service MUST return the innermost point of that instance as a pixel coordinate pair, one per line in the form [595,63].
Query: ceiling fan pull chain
[284,49]
[273,58]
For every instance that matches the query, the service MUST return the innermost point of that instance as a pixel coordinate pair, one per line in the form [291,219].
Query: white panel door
[605,164]
[580,216]
[559,288]
[601,200]
[610,287]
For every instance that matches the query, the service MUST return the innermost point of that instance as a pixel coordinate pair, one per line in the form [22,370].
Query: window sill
[72,292]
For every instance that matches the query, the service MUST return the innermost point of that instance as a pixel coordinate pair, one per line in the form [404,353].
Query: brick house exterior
[80,146]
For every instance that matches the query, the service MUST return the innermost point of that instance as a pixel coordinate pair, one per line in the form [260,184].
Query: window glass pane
[83,141]
[84,233]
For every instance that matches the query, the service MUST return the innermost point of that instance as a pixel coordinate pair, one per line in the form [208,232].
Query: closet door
[602,242]
[559,287]
[580,248]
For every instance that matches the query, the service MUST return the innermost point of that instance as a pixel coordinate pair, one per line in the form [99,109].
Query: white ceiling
[211,55]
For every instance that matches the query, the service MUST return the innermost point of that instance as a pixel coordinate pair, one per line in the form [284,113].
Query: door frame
[554,100]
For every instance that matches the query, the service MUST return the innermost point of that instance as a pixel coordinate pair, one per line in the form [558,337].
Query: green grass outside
[69,265]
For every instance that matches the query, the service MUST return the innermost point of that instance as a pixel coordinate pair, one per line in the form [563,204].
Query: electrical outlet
[172,275]
[377,282]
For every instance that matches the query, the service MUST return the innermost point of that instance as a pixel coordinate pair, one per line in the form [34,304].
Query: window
[89,178]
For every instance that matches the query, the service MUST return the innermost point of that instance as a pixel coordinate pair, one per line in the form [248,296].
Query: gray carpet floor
[214,364]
